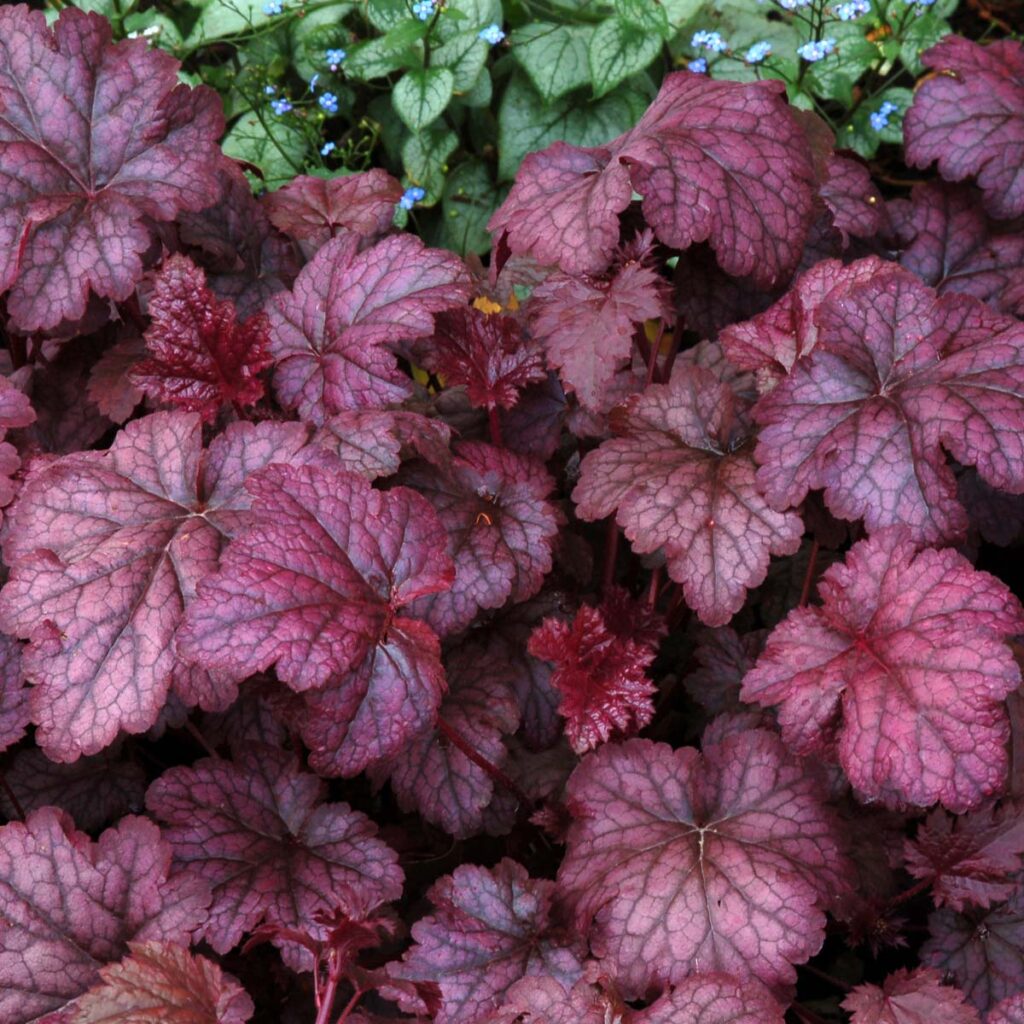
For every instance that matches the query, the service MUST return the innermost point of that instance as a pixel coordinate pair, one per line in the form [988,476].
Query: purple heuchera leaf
[70,905]
[501,529]
[257,832]
[981,951]
[98,139]
[970,118]
[680,477]
[110,387]
[329,335]
[680,862]
[897,375]
[947,239]
[910,997]
[903,668]
[857,207]
[713,160]
[586,325]
[201,358]
[725,657]
[1009,1011]
[490,927]
[14,712]
[107,550]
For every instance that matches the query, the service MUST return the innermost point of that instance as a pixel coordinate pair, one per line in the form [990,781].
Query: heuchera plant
[622,630]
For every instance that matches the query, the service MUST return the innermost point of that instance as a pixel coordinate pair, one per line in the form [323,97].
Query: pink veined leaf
[70,905]
[110,387]
[903,669]
[680,477]
[586,324]
[899,377]
[910,997]
[490,927]
[546,1000]
[201,357]
[486,352]
[14,711]
[98,139]
[857,207]
[436,779]
[106,552]
[947,239]
[1008,1011]
[15,408]
[981,950]
[501,529]
[681,862]
[315,586]
[257,832]
[314,210]
[971,859]
[713,160]
[969,116]
[329,335]
[159,982]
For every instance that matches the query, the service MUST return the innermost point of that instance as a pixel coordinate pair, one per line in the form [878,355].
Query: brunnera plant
[324,696]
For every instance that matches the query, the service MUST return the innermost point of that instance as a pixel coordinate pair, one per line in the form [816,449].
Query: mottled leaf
[909,997]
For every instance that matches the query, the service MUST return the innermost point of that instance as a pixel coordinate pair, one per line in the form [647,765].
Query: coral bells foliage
[616,631]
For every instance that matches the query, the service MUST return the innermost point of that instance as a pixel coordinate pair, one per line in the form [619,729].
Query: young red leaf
[970,860]
[201,357]
[903,668]
[160,983]
[99,140]
[969,116]
[490,927]
[69,906]
[314,210]
[107,551]
[14,712]
[680,477]
[501,529]
[909,997]
[1009,1011]
[257,832]
[680,862]
[898,375]
[713,160]
[329,335]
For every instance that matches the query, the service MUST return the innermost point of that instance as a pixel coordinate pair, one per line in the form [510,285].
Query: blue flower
[281,106]
[852,9]
[410,197]
[329,102]
[272,7]
[334,58]
[698,66]
[758,52]
[920,3]
[792,5]
[492,34]
[423,9]
[313,81]
[270,89]
[816,50]
[712,41]
[880,118]
[327,148]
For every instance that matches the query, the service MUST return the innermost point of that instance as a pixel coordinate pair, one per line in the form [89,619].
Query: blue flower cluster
[329,102]
[851,9]
[423,9]
[880,118]
[792,5]
[492,34]
[712,41]
[699,66]
[816,49]
[334,58]
[410,197]
[273,7]
[758,52]
[327,148]
[281,106]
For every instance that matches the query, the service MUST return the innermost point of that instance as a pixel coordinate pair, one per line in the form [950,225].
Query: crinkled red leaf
[586,325]
[329,335]
[969,116]
[432,776]
[898,377]
[982,951]
[490,927]
[106,552]
[98,139]
[713,160]
[904,668]
[910,997]
[950,243]
[201,357]
[680,862]
[159,983]
[680,477]
[315,209]
[972,859]
[1009,1011]
[69,905]
[501,529]
[258,833]
[14,711]
[486,352]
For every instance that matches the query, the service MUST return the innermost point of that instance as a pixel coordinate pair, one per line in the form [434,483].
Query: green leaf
[421,96]
[460,15]
[619,49]
[277,148]
[166,35]
[647,15]
[468,202]
[922,34]
[526,123]
[859,136]
[554,56]
[834,77]
[220,18]
[480,94]
[464,55]
[425,159]
[385,14]
[379,57]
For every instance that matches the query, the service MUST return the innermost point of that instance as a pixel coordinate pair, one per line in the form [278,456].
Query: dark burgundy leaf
[725,657]
[857,207]
[903,668]
[997,516]
[99,138]
[110,387]
[910,997]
